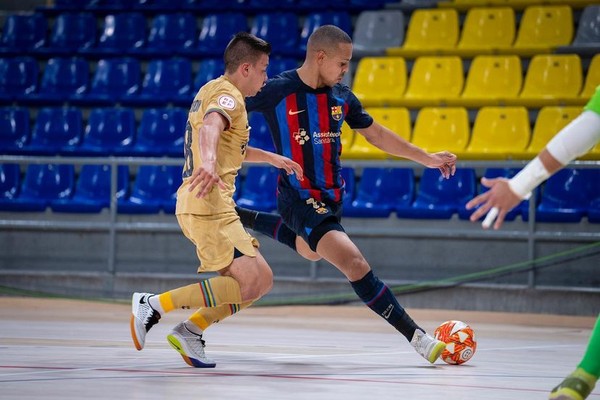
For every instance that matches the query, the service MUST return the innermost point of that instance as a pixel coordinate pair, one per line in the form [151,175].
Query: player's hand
[498,201]
[444,161]
[204,179]
[290,166]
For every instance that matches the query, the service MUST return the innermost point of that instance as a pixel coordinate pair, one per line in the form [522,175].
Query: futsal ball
[459,339]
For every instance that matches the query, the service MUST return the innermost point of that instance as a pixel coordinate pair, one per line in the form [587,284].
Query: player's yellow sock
[205,317]
[207,293]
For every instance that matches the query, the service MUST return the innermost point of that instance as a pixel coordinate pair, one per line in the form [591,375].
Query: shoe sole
[565,394]
[136,343]
[192,362]
[437,352]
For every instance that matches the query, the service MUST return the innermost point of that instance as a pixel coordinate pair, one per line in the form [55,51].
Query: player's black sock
[379,298]
[268,224]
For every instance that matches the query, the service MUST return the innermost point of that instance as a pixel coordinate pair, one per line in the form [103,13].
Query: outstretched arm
[386,140]
[254,154]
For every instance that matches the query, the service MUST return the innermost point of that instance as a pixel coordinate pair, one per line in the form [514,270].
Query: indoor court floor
[68,349]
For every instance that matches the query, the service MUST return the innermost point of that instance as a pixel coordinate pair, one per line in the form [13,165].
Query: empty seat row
[169,34]
[115,80]
[515,4]
[497,133]
[491,80]
[568,196]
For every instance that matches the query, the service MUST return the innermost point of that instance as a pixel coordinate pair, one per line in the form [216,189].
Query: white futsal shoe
[191,347]
[143,317]
[427,346]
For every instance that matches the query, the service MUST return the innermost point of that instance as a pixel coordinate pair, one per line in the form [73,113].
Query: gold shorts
[215,237]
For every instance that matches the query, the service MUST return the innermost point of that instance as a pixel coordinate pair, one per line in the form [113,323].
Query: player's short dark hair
[244,48]
[327,37]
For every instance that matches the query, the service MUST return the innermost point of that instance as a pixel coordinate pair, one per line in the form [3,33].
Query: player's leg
[580,383]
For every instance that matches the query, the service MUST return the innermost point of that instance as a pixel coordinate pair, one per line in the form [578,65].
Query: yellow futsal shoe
[191,347]
[576,386]
[427,346]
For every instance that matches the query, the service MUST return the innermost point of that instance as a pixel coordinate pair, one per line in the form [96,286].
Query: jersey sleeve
[357,117]
[224,103]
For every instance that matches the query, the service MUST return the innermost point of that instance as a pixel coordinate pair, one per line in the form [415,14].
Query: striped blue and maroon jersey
[306,126]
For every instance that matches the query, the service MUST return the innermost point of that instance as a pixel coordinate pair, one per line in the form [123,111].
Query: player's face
[257,74]
[335,64]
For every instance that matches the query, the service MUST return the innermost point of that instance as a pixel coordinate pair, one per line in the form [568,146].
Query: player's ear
[245,69]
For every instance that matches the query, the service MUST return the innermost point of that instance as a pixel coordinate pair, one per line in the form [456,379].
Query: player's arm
[386,140]
[574,140]
[254,154]
[205,176]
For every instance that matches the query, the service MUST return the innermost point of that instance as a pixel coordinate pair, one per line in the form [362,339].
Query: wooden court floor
[66,349]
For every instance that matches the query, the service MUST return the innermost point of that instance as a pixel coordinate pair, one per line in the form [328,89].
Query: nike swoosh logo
[290,112]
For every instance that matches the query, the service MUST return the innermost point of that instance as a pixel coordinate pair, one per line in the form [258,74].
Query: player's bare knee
[355,267]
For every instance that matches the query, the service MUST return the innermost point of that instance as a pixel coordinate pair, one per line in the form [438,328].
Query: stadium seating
[380,81]
[23,33]
[438,129]
[434,81]
[487,30]
[92,192]
[349,177]
[160,133]
[587,38]
[215,33]
[18,77]
[499,133]
[14,129]
[380,191]
[209,69]
[491,80]
[114,79]
[56,131]
[122,33]
[71,32]
[592,79]
[62,78]
[260,135]
[42,184]
[377,30]
[314,20]
[544,28]
[280,64]
[154,189]
[280,29]
[109,131]
[439,198]
[170,35]
[157,5]
[259,189]
[10,181]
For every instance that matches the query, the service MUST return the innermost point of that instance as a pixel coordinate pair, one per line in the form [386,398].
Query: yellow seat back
[592,78]
[553,76]
[499,132]
[493,79]
[380,80]
[436,79]
[549,122]
[545,26]
[488,28]
[438,128]
[432,29]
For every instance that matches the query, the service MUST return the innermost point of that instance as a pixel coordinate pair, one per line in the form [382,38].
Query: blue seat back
[56,127]
[123,31]
[10,180]
[456,191]
[315,20]
[210,68]
[388,187]
[588,30]
[162,127]
[260,135]
[18,76]
[65,76]
[260,188]
[278,28]
[24,32]
[159,5]
[217,30]
[109,5]
[168,77]
[116,77]
[349,177]
[14,128]
[74,31]
[108,128]
[279,64]
[157,182]
[569,188]
[94,182]
[170,31]
[48,181]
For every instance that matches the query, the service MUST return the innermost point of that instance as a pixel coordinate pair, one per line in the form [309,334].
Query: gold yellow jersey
[218,95]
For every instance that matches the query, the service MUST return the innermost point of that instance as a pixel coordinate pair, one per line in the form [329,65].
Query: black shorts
[310,219]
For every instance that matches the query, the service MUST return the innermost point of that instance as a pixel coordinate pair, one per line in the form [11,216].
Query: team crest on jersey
[318,206]
[336,112]
[226,102]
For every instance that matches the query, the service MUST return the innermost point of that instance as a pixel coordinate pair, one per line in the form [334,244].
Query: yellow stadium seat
[433,81]
[347,138]
[544,28]
[380,81]
[491,81]
[396,119]
[438,129]
[551,80]
[430,32]
[592,79]
[499,133]
[464,5]
[487,30]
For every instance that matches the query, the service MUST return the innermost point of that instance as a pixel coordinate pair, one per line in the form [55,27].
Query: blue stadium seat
[71,32]
[170,34]
[155,188]
[56,131]
[216,31]
[260,135]
[62,78]
[280,64]
[102,6]
[594,207]
[238,187]
[210,68]
[14,129]
[380,191]
[566,196]
[18,76]
[270,5]
[114,79]
[122,33]
[165,81]
[10,181]
[42,184]
[439,198]
[23,33]
[109,131]
[161,133]
[157,5]
[349,177]
[92,192]
[278,28]
[212,6]
[259,191]
[314,20]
